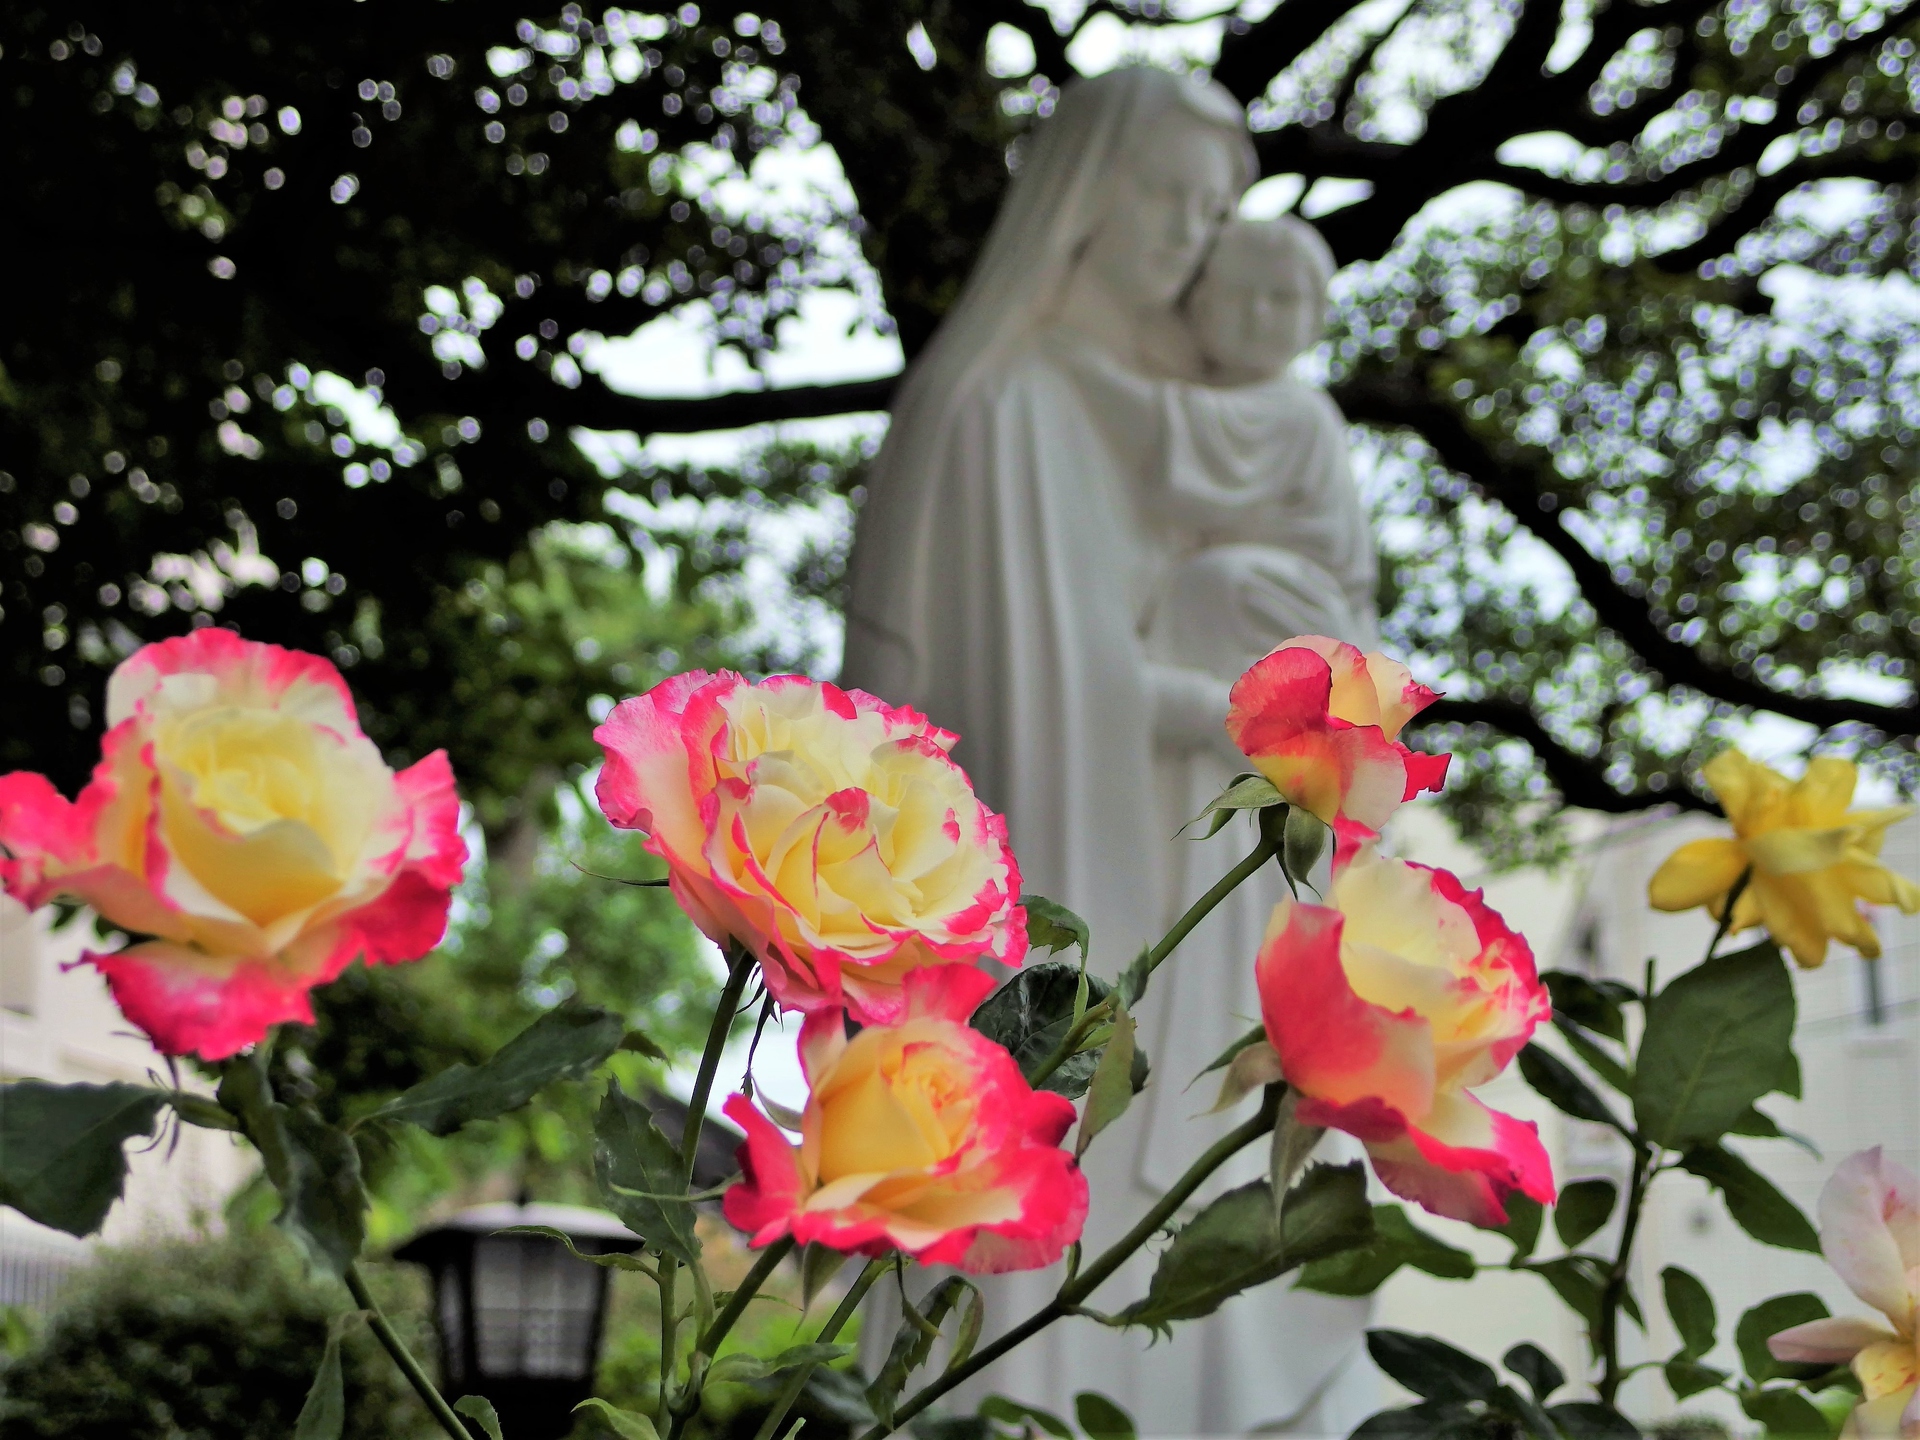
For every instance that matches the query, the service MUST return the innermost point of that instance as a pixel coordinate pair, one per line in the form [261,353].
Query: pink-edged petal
[1333,1045]
[241,672]
[823,1040]
[1424,771]
[1468,1195]
[1281,696]
[945,992]
[1400,696]
[404,922]
[189,1005]
[435,847]
[1053,1211]
[647,781]
[43,835]
[1832,1341]
[764,1203]
[1858,1208]
[1461,1133]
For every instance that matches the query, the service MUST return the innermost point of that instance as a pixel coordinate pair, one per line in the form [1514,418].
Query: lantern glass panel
[533,1308]
[453,1323]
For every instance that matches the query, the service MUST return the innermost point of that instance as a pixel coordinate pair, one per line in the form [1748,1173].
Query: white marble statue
[1100,499]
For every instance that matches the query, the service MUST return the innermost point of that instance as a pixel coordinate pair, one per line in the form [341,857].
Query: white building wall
[58,1023]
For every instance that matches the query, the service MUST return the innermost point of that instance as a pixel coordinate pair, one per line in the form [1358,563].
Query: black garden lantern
[519,1319]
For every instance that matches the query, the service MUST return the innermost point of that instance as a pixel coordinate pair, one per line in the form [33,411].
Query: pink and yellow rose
[1321,721]
[1385,1007]
[920,1136]
[828,832]
[246,832]
[1870,1234]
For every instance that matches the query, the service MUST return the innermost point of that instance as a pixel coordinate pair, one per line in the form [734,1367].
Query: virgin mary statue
[1065,486]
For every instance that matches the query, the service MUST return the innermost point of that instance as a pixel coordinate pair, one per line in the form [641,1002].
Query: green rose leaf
[1430,1368]
[1525,1217]
[314,1167]
[1590,1420]
[1232,1246]
[1717,1039]
[913,1341]
[1786,1413]
[1302,842]
[1054,927]
[1597,1005]
[1691,1308]
[1101,1418]
[480,1409]
[1396,1241]
[1031,1014]
[1552,1077]
[635,1164]
[740,1368]
[1603,1063]
[1689,1377]
[62,1156]
[1435,1420]
[627,1424]
[1110,1091]
[1756,1205]
[1768,1319]
[324,1415]
[1014,1412]
[1536,1367]
[1583,1208]
[563,1044]
[1576,1279]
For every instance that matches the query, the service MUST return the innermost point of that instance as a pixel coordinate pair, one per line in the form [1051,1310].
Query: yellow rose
[1812,859]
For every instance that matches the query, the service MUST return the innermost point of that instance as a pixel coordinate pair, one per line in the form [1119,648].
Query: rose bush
[1870,1234]
[920,1136]
[1812,860]
[1320,720]
[1385,1006]
[827,832]
[245,832]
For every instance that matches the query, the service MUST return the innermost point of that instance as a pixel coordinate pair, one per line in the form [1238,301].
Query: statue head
[1261,299]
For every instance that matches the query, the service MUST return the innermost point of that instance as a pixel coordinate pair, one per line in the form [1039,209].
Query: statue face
[1252,311]
[1166,207]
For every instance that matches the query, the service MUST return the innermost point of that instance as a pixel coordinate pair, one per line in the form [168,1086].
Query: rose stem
[1726,916]
[1196,912]
[384,1332]
[1089,1279]
[836,1322]
[739,970]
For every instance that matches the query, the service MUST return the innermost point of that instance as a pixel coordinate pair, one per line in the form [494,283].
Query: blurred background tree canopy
[302,298]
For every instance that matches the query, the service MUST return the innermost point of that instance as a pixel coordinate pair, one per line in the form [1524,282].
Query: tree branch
[1579,778]
[1402,403]
[594,407]
[1251,59]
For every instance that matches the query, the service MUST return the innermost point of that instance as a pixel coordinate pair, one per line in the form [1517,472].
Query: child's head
[1262,297]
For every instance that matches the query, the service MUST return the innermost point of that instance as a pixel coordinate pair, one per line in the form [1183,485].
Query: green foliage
[63,1148]
[1768,1319]
[1718,1038]
[638,1167]
[1396,1241]
[1583,1207]
[1691,1309]
[1031,1014]
[220,1338]
[1753,1201]
[1110,1091]
[563,1044]
[1054,927]
[1233,1244]
[312,1165]
[1551,1077]
[480,1410]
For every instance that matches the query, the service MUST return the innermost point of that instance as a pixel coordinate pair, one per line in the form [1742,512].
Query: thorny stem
[1196,912]
[384,1332]
[749,1287]
[1075,1291]
[836,1322]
